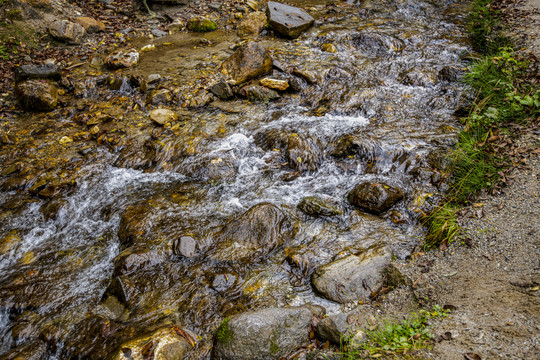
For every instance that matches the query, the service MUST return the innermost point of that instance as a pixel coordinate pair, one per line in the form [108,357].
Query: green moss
[201,25]
[274,349]
[223,332]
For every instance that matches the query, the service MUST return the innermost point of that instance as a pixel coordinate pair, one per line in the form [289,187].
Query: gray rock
[334,328]
[352,278]
[288,21]
[313,205]
[67,31]
[254,234]
[185,246]
[222,90]
[259,93]
[223,282]
[157,97]
[264,334]
[374,197]
[159,33]
[37,95]
[35,71]
[249,61]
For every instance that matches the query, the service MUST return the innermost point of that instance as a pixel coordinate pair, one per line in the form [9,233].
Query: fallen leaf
[472,356]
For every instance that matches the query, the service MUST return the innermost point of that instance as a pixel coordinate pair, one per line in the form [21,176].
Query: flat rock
[375,197]
[288,21]
[352,278]
[36,71]
[314,205]
[122,59]
[67,31]
[37,95]
[222,90]
[89,24]
[249,61]
[264,334]
[163,116]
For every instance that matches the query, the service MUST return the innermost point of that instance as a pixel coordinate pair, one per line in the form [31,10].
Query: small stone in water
[223,282]
[275,84]
[185,246]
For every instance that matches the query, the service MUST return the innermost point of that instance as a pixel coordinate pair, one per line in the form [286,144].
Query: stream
[98,256]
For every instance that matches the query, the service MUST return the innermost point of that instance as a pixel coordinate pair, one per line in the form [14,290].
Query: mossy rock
[200,24]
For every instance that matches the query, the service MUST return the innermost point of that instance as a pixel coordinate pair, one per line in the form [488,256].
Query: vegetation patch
[504,96]
[393,337]
[224,333]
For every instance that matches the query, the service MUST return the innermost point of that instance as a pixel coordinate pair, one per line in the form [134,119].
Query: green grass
[503,96]
[393,337]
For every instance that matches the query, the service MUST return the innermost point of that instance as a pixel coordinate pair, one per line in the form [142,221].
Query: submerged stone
[259,93]
[288,21]
[122,59]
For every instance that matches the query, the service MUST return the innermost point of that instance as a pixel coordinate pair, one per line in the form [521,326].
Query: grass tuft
[223,332]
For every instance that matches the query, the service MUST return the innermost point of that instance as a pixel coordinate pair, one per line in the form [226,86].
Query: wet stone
[122,59]
[35,71]
[158,97]
[288,21]
[249,61]
[275,84]
[37,95]
[222,90]
[309,76]
[185,246]
[223,282]
[252,25]
[352,278]
[313,205]
[374,196]
[163,116]
[259,93]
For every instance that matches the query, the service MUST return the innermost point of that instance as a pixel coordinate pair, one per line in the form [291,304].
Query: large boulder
[168,343]
[37,95]
[375,197]
[67,31]
[263,334]
[36,71]
[352,278]
[248,61]
[254,234]
[288,21]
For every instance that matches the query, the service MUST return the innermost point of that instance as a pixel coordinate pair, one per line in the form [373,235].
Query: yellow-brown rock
[275,84]
[90,25]
[329,48]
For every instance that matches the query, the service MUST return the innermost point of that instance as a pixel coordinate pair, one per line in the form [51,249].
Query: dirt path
[493,278]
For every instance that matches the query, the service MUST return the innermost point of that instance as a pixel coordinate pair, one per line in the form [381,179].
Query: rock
[168,343]
[331,48]
[275,84]
[222,90]
[159,97]
[186,246]
[136,258]
[374,197]
[90,25]
[123,289]
[450,74]
[159,33]
[223,282]
[313,205]
[252,235]
[309,76]
[112,309]
[264,334]
[66,31]
[377,44]
[122,59]
[37,95]
[212,168]
[253,4]
[253,24]
[349,145]
[249,61]
[176,26]
[201,24]
[352,278]
[258,93]
[34,71]
[334,328]
[115,82]
[200,99]
[286,20]
[417,77]
[134,224]
[215,6]
[163,116]
[30,350]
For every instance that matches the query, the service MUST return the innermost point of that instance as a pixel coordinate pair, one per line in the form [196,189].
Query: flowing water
[381,110]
